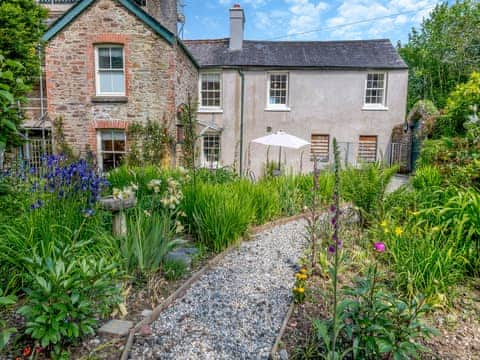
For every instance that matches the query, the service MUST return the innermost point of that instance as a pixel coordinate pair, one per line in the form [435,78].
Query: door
[416,145]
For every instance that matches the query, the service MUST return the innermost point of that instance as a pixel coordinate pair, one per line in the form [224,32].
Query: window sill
[109,99]
[210,111]
[279,109]
[375,108]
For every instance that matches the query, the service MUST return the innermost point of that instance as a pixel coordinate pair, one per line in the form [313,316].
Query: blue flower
[88,212]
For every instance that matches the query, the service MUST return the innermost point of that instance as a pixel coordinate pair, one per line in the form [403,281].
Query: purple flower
[339,243]
[379,246]
[37,204]
[334,221]
[88,212]
[331,249]
[333,208]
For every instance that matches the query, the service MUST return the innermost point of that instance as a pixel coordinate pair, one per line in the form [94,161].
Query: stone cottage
[109,63]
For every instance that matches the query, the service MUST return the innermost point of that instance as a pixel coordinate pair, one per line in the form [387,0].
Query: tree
[443,52]
[21,26]
[461,103]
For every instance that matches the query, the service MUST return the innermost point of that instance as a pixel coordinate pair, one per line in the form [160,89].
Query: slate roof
[364,54]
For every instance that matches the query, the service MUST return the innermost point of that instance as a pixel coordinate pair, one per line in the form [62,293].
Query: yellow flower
[436,228]
[303,270]
[384,224]
[301,290]
[415,213]
[300,276]
[398,231]
[386,230]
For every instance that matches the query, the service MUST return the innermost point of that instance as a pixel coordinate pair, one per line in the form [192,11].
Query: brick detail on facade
[113,39]
[150,71]
[103,124]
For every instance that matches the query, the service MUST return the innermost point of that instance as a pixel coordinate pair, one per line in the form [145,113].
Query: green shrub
[435,152]
[66,296]
[174,270]
[458,219]
[221,214]
[427,177]
[457,159]
[217,176]
[43,232]
[424,263]
[148,241]
[264,198]
[141,176]
[400,203]
[375,324]
[365,188]
[290,194]
[5,332]
[459,104]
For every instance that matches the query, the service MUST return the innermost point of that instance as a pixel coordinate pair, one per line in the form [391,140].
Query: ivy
[21,26]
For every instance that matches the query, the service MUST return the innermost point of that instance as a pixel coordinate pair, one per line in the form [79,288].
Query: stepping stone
[116,328]
[146,312]
[182,255]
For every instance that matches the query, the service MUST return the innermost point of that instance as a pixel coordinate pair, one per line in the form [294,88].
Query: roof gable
[82,5]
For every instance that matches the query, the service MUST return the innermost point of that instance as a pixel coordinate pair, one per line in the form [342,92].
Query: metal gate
[399,155]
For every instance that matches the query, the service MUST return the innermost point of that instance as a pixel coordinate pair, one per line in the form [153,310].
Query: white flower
[154,183]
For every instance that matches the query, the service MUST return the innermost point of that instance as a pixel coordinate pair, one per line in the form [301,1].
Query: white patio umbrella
[281,139]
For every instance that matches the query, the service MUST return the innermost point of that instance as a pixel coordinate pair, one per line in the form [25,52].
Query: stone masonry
[158,75]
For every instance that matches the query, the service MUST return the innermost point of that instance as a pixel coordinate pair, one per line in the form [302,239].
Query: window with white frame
[375,89]
[210,90]
[277,90]
[111,148]
[110,70]
[367,148]
[211,150]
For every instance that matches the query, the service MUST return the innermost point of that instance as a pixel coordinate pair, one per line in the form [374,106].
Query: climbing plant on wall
[150,143]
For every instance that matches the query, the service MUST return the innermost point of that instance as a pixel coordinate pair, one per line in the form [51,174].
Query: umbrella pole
[279,159]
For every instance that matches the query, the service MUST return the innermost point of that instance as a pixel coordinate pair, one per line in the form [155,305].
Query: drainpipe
[242,76]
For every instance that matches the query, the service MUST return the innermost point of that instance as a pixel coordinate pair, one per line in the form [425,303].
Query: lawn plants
[363,318]
[54,256]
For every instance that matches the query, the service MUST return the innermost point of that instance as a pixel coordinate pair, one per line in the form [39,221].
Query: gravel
[236,309]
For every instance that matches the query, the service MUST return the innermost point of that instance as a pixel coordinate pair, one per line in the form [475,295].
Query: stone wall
[186,78]
[165,11]
[70,72]
[399,136]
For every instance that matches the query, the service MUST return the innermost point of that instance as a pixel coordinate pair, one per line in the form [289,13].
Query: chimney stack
[164,11]
[237,25]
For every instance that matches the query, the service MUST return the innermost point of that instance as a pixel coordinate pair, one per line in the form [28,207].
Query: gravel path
[396,182]
[235,310]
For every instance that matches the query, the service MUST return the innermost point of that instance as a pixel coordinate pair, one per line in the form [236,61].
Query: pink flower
[379,246]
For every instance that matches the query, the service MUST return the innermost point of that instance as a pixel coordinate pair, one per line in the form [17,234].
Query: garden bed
[139,297]
[458,326]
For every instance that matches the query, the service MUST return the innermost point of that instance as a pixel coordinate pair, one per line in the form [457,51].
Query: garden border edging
[278,340]
[182,289]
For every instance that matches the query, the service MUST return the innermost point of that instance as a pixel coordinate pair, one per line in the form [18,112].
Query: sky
[308,19]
